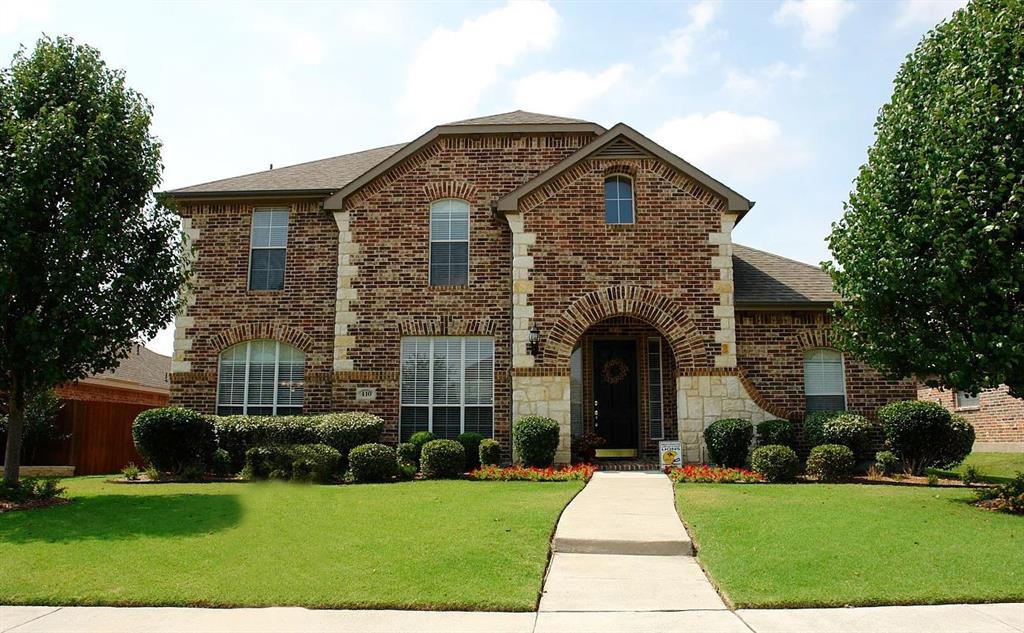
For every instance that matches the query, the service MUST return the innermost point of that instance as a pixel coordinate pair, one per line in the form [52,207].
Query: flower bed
[579,472]
[704,474]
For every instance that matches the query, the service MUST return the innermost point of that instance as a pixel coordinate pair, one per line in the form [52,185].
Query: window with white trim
[618,200]
[449,243]
[966,400]
[267,248]
[824,380]
[447,386]
[261,378]
[655,402]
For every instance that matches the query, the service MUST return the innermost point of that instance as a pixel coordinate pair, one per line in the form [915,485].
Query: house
[997,417]
[499,267]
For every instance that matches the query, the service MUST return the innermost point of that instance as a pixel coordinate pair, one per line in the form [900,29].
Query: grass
[417,545]
[995,467]
[810,545]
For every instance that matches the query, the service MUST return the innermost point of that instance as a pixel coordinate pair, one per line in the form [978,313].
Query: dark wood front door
[616,410]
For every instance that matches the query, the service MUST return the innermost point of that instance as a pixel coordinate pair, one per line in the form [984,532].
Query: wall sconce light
[534,340]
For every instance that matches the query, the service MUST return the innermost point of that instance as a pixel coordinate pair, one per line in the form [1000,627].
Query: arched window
[618,200]
[261,378]
[449,243]
[824,380]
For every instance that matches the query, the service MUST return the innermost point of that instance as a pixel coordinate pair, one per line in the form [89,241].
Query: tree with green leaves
[929,254]
[90,262]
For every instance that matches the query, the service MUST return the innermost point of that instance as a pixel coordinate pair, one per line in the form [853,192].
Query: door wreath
[614,371]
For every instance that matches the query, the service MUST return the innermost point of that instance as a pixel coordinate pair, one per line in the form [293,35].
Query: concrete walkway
[621,562]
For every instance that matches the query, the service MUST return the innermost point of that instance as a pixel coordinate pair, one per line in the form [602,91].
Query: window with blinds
[824,380]
[267,248]
[447,386]
[655,403]
[967,400]
[261,378]
[449,243]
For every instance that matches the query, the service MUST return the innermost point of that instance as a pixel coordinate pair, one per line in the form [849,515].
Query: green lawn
[998,466]
[419,545]
[831,545]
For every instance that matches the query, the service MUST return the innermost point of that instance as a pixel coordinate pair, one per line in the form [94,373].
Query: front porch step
[627,465]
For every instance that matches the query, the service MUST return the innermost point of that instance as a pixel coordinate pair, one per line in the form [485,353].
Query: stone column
[182,321]
[725,335]
[344,315]
[546,396]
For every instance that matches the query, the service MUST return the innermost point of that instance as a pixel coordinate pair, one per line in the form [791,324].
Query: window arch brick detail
[447,326]
[266,331]
[642,303]
[811,339]
[458,189]
[620,169]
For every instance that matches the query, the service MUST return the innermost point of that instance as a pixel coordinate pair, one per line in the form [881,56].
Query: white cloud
[732,147]
[303,45]
[565,91]
[453,68]
[682,42]
[163,342]
[761,81]
[925,12]
[17,13]
[819,19]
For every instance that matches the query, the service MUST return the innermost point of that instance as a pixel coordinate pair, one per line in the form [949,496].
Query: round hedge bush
[830,462]
[776,462]
[925,435]
[728,441]
[408,454]
[535,439]
[471,442]
[490,453]
[318,463]
[442,459]
[173,439]
[849,429]
[813,423]
[419,439]
[779,432]
[370,463]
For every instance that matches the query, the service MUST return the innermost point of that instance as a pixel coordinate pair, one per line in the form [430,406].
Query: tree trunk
[15,430]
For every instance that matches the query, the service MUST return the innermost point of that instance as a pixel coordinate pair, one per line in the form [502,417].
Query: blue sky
[776,99]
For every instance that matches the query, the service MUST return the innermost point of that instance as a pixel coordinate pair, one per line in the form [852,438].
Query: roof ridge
[777,256]
[308,162]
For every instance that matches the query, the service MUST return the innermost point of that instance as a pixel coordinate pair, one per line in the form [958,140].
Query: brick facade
[998,420]
[357,281]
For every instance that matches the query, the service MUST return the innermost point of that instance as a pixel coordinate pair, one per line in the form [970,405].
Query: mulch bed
[34,504]
[914,480]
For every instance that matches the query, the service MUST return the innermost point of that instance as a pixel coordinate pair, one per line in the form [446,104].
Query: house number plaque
[366,393]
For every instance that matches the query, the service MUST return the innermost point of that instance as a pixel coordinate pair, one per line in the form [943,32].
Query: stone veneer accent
[546,396]
[344,315]
[725,335]
[522,288]
[182,321]
[700,400]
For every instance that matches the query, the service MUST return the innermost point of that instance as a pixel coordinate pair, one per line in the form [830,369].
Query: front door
[616,412]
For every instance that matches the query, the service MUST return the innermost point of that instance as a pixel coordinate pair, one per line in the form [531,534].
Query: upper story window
[966,400]
[618,200]
[261,378]
[824,380]
[268,246]
[449,243]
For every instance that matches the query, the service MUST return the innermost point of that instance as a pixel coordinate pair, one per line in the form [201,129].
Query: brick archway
[269,331]
[634,301]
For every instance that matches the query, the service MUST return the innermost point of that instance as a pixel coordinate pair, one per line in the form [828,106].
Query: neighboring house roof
[616,134]
[517,117]
[323,176]
[143,368]
[765,279]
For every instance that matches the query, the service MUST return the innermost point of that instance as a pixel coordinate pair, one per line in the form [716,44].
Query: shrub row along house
[493,268]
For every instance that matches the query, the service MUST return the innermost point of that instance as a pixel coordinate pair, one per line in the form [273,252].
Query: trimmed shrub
[886,462]
[776,432]
[298,462]
[535,439]
[848,429]
[925,435]
[830,462]
[813,423]
[221,463]
[419,440]
[408,455]
[342,431]
[442,459]
[1007,497]
[174,439]
[728,441]
[471,442]
[776,462]
[490,453]
[369,463]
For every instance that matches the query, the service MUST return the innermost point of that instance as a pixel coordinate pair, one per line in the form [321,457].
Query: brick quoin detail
[642,303]
[267,331]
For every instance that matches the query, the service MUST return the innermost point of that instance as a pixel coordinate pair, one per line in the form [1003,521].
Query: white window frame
[252,231]
[632,198]
[842,367]
[245,384]
[960,396]
[656,340]
[468,241]
[430,381]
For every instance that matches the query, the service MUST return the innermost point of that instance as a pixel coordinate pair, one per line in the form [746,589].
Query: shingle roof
[142,367]
[517,117]
[765,279]
[328,174]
